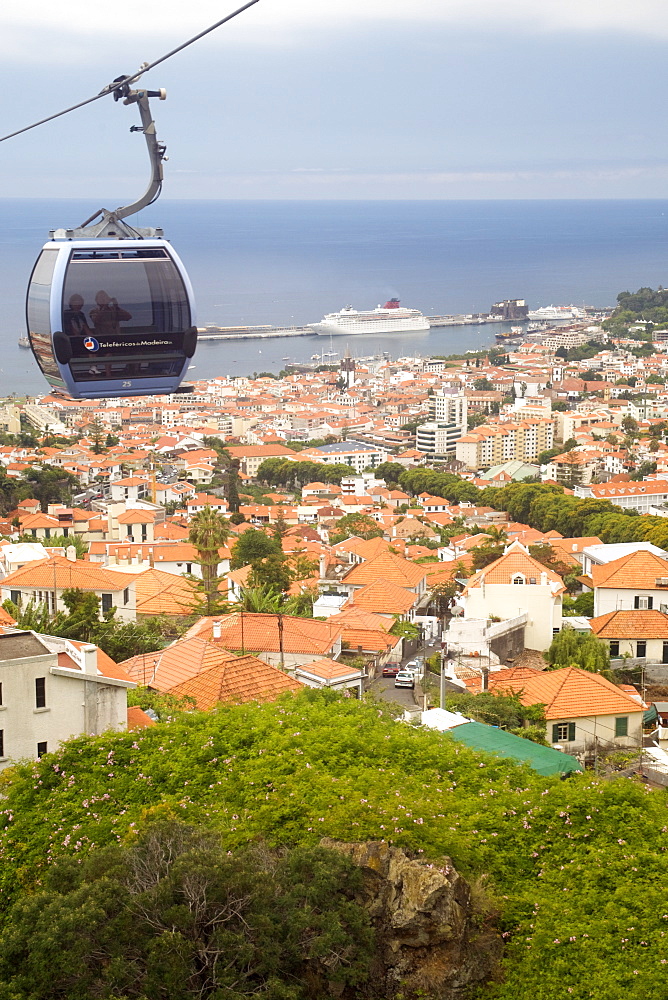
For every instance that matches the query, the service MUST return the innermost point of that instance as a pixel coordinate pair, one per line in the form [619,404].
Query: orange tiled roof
[366,549]
[387,566]
[383,597]
[138,719]
[42,573]
[268,633]
[568,693]
[631,625]
[515,560]
[208,673]
[639,570]
[160,593]
[239,679]
[329,670]
[354,615]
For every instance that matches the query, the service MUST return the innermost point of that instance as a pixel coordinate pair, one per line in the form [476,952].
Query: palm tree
[261,600]
[209,530]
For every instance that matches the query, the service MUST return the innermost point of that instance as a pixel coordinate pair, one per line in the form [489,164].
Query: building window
[614,647]
[622,726]
[107,603]
[2,743]
[15,597]
[641,648]
[126,595]
[518,578]
[1,702]
[563,732]
[41,749]
[643,603]
[40,692]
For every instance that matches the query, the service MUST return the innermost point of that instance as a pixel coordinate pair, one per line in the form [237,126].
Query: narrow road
[383,688]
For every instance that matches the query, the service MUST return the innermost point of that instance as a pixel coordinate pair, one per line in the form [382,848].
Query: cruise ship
[390,318]
[552,313]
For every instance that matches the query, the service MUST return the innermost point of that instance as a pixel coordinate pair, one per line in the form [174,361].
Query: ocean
[290,262]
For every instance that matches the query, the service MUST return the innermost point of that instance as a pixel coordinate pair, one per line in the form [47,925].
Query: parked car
[404,679]
[414,666]
[390,670]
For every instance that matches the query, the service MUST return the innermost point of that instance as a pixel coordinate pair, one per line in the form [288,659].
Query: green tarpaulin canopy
[545,760]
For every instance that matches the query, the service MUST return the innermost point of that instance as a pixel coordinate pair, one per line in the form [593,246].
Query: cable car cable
[124,81]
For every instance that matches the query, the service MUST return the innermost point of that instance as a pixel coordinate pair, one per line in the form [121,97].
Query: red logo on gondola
[91,344]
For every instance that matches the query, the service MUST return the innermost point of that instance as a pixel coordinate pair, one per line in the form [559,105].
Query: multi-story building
[354,453]
[448,412]
[494,444]
[572,468]
[437,439]
[574,338]
[449,408]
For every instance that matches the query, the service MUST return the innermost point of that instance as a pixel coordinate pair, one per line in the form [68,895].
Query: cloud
[281,21]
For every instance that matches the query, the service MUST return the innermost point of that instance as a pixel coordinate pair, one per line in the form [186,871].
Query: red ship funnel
[392,304]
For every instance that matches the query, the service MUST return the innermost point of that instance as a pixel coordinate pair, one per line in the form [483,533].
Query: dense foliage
[577,866]
[82,622]
[294,475]
[579,649]
[544,507]
[647,305]
[39,482]
[174,915]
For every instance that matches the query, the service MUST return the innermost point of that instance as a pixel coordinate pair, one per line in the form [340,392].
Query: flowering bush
[576,865]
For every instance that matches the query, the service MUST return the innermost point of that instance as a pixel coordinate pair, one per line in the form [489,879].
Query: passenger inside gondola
[75,323]
[108,315]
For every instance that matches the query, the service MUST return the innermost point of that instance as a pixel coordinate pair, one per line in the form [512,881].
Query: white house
[585,713]
[636,582]
[52,689]
[514,585]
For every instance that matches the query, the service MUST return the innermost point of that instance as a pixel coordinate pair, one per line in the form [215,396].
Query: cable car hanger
[111,225]
[110,309]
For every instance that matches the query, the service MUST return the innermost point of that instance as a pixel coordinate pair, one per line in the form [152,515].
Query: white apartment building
[494,444]
[435,439]
[449,408]
[448,413]
[639,497]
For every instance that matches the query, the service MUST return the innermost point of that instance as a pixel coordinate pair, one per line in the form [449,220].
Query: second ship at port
[390,318]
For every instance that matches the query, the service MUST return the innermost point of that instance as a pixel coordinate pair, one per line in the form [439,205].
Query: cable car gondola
[110,308]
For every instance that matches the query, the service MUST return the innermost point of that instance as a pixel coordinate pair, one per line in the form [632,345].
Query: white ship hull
[351,322]
[552,313]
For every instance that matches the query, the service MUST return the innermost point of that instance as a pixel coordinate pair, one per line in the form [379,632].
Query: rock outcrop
[429,935]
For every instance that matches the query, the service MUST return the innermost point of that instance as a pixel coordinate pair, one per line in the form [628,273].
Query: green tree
[273,571]
[209,532]
[579,649]
[361,525]
[389,471]
[583,604]
[97,434]
[177,915]
[251,547]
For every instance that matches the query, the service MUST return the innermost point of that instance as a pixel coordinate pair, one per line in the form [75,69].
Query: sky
[343,99]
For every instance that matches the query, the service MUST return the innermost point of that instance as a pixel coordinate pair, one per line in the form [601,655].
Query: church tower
[348,369]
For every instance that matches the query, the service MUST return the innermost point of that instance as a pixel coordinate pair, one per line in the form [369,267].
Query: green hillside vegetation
[645,304]
[575,867]
[543,507]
